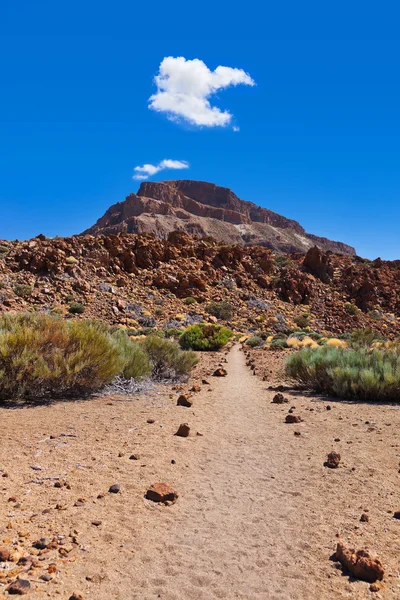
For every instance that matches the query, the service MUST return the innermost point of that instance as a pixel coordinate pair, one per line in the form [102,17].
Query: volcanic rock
[161,492]
[183,430]
[184,400]
[293,419]
[333,460]
[220,372]
[362,564]
[19,587]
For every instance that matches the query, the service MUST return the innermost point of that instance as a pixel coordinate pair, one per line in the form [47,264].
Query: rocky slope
[207,210]
[141,281]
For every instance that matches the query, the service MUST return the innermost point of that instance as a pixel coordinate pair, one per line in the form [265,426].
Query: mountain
[207,210]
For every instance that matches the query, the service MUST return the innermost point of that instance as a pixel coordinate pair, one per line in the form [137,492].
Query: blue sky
[319,132]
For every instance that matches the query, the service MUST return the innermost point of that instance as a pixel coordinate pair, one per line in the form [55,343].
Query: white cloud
[146,171]
[185,86]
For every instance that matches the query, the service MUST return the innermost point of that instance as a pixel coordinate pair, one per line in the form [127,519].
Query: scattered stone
[151,421]
[76,596]
[220,372]
[46,577]
[161,492]
[96,523]
[173,461]
[279,399]
[184,400]
[333,460]
[183,430]
[115,488]
[205,382]
[134,457]
[195,388]
[374,587]
[362,564]
[19,587]
[364,518]
[293,419]
[41,544]
[297,433]
[4,554]
[397,514]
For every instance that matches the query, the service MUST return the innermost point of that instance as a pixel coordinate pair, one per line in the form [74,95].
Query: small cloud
[185,86]
[148,170]
[236,129]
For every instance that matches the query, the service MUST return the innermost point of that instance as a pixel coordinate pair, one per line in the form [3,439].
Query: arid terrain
[257,515]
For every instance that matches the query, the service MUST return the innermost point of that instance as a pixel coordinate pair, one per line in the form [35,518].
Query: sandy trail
[235,532]
[257,513]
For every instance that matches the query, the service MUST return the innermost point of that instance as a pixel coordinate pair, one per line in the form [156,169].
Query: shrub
[71,260]
[364,338]
[255,341]
[205,337]
[76,308]
[190,300]
[279,343]
[221,310]
[138,363]
[172,332]
[166,357]
[4,249]
[351,309]
[44,356]
[23,290]
[348,373]
[303,320]
[281,261]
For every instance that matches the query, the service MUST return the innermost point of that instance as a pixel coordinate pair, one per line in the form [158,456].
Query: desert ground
[258,515]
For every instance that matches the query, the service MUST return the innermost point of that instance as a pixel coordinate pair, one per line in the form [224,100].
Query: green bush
[166,357]
[23,290]
[138,363]
[279,343]
[172,332]
[221,310]
[190,300]
[205,337]
[76,308]
[44,356]
[303,320]
[348,372]
[4,249]
[364,338]
[255,341]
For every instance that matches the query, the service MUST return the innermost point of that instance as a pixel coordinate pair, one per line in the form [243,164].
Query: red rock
[183,430]
[220,372]
[293,419]
[4,554]
[362,564]
[184,400]
[161,492]
[333,460]
[19,587]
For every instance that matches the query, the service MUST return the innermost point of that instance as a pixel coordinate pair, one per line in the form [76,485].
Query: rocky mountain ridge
[141,281]
[207,210]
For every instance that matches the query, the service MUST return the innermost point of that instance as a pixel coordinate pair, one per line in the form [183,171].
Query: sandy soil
[257,515]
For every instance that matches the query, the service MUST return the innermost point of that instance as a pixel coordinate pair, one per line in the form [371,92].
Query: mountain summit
[207,210]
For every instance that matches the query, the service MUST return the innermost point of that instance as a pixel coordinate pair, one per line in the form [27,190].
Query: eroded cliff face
[207,210]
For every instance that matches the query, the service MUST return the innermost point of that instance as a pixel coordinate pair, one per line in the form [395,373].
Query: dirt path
[257,514]
[236,531]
